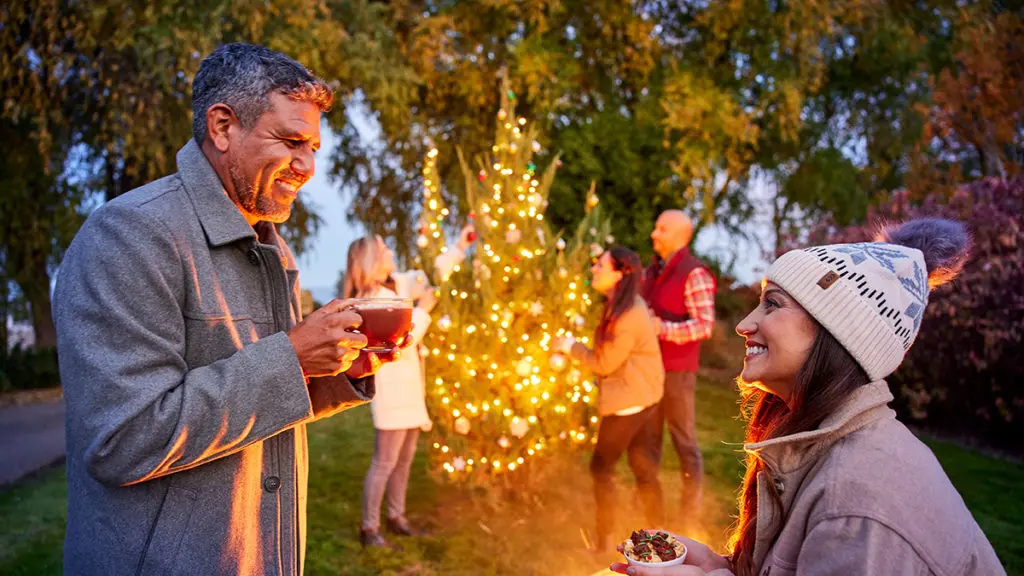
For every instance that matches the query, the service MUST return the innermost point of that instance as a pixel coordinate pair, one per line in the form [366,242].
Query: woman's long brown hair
[624,295]
[827,378]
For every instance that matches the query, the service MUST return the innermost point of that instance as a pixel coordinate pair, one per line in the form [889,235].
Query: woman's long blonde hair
[361,270]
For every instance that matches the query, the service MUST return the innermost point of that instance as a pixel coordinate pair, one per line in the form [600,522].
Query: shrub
[28,369]
[964,374]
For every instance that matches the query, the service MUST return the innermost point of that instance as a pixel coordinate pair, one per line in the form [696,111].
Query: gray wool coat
[186,406]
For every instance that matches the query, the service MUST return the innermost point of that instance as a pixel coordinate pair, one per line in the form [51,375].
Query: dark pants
[618,434]
[677,408]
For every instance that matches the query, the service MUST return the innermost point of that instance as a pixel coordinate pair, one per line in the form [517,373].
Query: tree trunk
[37,292]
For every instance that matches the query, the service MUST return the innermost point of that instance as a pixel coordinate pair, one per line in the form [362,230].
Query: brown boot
[373,539]
[401,527]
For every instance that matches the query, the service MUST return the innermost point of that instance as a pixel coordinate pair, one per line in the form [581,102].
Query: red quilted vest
[665,293]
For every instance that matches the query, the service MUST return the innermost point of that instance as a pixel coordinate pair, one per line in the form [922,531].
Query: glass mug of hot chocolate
[385,321]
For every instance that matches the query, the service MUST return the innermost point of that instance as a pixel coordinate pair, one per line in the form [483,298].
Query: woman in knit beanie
[834,483]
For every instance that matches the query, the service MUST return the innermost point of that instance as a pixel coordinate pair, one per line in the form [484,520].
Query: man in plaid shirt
[680,291]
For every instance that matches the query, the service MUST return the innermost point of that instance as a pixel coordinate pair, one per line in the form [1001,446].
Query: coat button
[779,486]
[254,257]
[272,483]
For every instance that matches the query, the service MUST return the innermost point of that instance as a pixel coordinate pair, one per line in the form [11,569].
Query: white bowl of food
[654,549]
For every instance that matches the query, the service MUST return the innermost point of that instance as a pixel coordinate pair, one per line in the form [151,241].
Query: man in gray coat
[188,371]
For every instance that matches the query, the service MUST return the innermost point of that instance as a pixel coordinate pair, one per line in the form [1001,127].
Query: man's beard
[252,201]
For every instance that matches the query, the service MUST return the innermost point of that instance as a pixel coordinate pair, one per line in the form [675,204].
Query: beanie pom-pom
[944,243]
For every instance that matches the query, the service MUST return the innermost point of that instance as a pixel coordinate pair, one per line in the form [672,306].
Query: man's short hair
[242,76]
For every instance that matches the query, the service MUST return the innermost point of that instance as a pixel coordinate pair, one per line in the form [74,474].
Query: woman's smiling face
[779,335]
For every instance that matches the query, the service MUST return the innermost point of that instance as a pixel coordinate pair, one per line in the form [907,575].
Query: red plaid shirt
[699,297]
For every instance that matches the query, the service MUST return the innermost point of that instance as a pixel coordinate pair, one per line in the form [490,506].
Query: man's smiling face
[269,163]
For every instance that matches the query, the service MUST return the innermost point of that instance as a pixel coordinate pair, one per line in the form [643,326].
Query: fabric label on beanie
[828,280]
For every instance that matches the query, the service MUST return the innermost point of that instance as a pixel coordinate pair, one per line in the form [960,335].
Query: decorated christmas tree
[500,398]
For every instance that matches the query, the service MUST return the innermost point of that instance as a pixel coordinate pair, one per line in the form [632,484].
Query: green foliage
[498,394]
[567,61]
[963,374]
[31,369]
[39,215]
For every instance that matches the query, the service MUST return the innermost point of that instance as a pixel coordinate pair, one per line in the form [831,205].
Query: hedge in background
[27,369]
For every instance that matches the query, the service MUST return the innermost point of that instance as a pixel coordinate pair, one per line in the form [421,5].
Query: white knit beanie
[871,296]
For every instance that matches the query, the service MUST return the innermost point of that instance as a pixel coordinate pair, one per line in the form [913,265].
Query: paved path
[31,437]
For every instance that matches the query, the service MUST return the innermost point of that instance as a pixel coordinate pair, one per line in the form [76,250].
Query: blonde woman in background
[399,408]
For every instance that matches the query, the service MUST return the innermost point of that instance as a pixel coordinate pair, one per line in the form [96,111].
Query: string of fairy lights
[499,396]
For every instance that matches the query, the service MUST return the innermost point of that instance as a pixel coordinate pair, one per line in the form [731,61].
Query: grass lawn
[500,532]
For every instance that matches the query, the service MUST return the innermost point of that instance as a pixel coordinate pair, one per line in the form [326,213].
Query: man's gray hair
[242,76]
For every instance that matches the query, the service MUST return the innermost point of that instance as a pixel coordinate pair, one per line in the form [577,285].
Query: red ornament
[472,215]
[515,258]
[481,176]
[471,236]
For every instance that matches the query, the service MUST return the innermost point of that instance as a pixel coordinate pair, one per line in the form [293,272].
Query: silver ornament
[444,323]
[558,362]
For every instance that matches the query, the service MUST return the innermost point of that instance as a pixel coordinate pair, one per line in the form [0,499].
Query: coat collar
[864,406]
[221,220]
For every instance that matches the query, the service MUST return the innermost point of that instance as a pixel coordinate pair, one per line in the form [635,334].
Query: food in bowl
[653,547]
